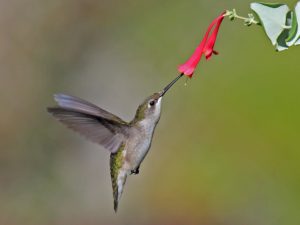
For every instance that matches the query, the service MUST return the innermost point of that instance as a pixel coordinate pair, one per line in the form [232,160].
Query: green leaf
[281,43]
[272,5]
[292,21]
[295,31]
[272,17]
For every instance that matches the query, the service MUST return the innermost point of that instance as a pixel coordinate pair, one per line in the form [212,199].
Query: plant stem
[247,20]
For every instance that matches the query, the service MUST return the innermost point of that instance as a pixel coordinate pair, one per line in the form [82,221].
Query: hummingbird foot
[136,171]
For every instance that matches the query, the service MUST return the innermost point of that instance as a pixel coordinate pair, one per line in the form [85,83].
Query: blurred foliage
[226,150]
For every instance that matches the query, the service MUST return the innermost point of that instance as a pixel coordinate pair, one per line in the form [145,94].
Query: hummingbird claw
[136,171]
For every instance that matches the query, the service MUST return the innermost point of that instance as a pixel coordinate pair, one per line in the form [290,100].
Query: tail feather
[118,186]
[118,175]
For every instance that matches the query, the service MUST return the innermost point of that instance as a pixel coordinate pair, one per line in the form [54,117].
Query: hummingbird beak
[164,91]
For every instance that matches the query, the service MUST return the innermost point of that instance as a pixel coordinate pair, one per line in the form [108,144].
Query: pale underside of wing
[89,120]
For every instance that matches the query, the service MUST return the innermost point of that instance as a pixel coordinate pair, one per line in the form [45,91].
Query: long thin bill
[164,91]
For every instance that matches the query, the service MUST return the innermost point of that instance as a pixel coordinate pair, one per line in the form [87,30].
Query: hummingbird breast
[139,144]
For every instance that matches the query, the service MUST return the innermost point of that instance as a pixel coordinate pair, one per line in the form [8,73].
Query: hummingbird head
[149,110]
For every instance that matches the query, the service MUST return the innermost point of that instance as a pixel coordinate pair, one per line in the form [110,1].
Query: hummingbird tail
[118,176]
[118,186]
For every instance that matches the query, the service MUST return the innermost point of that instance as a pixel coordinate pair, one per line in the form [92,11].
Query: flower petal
[205,47]
[209,47]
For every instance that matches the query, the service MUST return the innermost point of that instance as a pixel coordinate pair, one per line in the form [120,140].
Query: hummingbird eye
[152,103]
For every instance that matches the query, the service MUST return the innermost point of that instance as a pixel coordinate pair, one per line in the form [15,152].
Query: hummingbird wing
[89,120]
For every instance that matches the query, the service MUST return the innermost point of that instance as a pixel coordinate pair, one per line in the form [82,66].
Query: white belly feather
[139,145]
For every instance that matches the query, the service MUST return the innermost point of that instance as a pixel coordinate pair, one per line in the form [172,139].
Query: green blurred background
[227,148]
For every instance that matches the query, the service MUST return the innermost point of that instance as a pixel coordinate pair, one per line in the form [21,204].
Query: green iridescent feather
[116,161]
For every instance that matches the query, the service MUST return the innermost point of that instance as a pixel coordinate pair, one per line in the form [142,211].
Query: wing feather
[94,123]
[80,105]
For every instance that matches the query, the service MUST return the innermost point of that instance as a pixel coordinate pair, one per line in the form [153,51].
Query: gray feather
[94,123]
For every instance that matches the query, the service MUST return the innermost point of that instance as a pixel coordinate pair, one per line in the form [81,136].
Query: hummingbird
[127,142]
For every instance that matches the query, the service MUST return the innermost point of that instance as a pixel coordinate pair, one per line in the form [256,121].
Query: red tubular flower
[209,47]
[205,47]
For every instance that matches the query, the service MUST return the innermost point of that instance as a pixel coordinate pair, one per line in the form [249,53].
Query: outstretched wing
[90,121]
